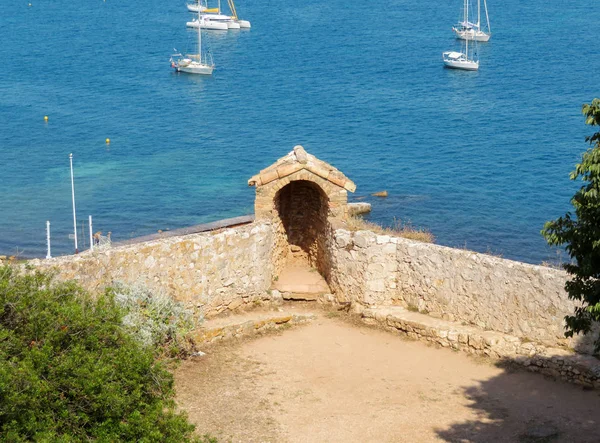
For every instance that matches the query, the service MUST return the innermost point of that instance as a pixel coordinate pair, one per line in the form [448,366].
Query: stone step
[559,363]
[300,278]
[247,324]
[301,296]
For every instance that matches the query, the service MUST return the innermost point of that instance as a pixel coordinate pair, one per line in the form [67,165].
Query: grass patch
[398,229]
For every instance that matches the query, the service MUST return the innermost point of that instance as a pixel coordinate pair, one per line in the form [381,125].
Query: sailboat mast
[199,37]
[478,14]
[487,17]
[467,21]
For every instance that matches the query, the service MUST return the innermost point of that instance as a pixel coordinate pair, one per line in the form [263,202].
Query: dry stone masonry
[492,293]
[456,298]
[212,271]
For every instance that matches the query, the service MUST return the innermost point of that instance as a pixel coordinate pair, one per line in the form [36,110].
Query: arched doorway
[303,210]
[301,197]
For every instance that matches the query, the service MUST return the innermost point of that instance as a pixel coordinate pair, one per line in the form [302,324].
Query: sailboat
[463,60]
[467,30]
[214,18]
[194,63]
[196,7]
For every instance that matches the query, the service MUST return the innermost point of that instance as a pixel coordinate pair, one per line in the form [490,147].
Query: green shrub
[154,319]
[69,371]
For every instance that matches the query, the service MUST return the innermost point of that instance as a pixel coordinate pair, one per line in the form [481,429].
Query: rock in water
[380,194]
[359,208]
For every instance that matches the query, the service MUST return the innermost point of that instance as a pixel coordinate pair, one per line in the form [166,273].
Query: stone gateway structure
[303,198]
[461,299]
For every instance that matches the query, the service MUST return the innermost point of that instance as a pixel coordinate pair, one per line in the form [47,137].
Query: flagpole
[73,198]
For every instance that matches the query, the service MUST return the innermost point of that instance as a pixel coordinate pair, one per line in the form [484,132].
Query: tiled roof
[295,161]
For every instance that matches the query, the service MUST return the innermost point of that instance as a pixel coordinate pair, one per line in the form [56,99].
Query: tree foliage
[69,371]
[580,233]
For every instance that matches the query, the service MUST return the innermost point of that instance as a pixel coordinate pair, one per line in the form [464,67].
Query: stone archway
[303,209]
[302,197]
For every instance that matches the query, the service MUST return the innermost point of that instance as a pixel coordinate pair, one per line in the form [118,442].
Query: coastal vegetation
[580,235]
[82,367]
[398,229]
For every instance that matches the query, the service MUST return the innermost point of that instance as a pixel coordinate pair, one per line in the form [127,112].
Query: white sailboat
[214,19]
[194,63]
[463,60]
[196,7]
[467,30]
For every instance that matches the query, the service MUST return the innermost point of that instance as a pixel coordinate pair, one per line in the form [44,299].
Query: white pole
[91,237]
[73,198]
[48,255]
[467,21]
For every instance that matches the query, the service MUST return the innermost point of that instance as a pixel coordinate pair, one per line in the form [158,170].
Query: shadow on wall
[303,210]
[517,406]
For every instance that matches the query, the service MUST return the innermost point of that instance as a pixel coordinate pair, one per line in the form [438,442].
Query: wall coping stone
[299,159]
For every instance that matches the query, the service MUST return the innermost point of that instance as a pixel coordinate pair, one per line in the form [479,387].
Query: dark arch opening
[303,208]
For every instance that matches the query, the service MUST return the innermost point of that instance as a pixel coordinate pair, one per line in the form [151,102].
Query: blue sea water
[481,159]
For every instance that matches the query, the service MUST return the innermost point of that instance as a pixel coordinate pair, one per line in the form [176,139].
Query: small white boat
[459,60]
[196,7]
[208,24]
[194,63]
[467,30]
[191,64]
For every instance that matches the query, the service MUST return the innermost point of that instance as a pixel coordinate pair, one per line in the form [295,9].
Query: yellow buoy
[107,141]
[45,118]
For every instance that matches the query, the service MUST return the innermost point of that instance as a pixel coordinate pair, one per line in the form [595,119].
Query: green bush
[69,371]
[154,319]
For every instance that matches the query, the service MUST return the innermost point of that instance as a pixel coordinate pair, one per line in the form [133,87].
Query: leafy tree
[581,235]
[70,372]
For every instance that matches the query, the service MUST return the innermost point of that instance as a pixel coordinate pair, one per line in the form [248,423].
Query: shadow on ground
[515,407]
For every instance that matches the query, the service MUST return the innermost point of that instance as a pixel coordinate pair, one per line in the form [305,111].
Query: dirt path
[334,382]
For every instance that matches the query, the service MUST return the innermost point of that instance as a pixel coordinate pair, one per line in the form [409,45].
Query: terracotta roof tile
[300,159]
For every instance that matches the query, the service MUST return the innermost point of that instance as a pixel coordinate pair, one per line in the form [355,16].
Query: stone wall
[225,269]
[211,271]
[496,294]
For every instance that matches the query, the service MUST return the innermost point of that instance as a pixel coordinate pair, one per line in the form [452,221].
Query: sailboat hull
[472,35]
[198,68]
[208,24]
[196,8]
[465,65]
